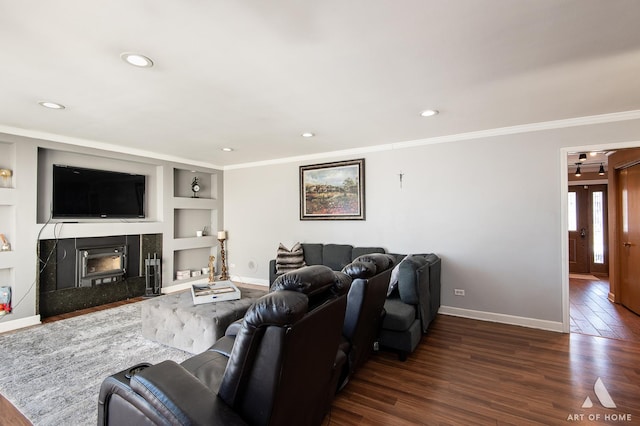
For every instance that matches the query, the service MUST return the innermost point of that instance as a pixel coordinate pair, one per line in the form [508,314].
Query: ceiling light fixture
[429,112]
[137,60]
[308,135]
[601,171]
[578,174]
[582,157]
[51,105]
[227,149]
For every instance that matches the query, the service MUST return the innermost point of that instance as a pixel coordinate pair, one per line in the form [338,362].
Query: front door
[629,184]
[587,229]
[578,229]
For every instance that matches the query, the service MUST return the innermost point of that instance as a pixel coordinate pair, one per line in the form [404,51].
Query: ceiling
[254,75]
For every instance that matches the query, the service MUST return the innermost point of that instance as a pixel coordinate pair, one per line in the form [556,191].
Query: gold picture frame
[332,191]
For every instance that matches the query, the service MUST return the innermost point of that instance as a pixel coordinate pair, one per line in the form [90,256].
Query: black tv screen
[90,193]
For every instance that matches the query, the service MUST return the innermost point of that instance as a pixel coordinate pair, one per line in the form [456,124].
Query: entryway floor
[592,313]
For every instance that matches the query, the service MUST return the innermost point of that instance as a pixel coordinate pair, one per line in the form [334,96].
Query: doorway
[586,285]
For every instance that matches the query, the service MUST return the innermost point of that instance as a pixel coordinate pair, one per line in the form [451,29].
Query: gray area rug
[52,372]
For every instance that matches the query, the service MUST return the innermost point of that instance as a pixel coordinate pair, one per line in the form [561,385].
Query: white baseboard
[502,318]
[250,280]
[8,325]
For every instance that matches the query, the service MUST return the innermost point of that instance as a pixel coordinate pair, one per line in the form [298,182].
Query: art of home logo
[603,396]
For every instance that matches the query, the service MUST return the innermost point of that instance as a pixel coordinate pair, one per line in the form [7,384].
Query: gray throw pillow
[393,281]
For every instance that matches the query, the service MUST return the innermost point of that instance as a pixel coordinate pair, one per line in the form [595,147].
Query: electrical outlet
[458,292]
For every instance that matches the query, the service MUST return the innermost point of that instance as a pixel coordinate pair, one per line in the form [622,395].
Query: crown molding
[500,131]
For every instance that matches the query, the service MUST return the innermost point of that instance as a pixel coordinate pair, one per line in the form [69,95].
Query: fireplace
[79,273]
[100,265]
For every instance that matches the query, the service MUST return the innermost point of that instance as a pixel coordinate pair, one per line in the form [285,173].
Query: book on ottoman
[216,291]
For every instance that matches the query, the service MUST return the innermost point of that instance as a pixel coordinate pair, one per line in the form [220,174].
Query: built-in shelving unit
[8,214]
[193,213]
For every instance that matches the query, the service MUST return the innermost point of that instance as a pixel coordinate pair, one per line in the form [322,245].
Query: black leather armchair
[277,370]
[368,292]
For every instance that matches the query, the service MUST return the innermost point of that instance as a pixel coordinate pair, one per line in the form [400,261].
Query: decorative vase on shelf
[5,178]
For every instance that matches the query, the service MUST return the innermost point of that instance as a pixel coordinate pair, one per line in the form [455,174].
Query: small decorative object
[5,300]
[222,235]
[196,273]
[212,260]
[198,233]
[6,174]
[183,274]
[195,187]
[214,292]
[5,244]
[332,191]
[205,230]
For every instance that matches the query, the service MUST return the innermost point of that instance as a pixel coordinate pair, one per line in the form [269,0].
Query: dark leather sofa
[279,367]
[409,309]
[335,256]
[413,304]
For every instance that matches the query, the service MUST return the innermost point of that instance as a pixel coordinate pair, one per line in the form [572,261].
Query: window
[598,227]
[573,212]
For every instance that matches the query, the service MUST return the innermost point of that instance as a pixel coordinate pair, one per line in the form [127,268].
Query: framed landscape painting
[332,191]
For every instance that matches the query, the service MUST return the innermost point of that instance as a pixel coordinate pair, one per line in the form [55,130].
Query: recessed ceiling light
[227,149]
[429,112]
[307,135]
[137,60]
[51,105]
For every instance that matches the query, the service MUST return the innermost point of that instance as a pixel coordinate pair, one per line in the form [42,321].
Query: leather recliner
[371,274]
[278,370]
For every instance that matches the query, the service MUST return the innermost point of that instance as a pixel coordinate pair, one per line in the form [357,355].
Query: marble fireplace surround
[58,291]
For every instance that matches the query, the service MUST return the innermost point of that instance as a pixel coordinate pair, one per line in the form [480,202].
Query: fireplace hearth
[79,273]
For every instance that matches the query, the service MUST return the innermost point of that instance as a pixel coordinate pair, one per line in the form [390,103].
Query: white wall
[490,207]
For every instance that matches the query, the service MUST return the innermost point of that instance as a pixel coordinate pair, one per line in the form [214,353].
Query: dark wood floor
[474,372]
[468,372]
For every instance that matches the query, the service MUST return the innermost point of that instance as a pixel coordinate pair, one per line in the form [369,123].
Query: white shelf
[7,259]
[194,242]
[194,203]
[7,196]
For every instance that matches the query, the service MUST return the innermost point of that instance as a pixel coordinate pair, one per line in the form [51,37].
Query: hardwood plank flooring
[474,372]
[592,313]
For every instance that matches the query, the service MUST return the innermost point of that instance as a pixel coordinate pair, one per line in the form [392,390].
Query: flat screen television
[89,193]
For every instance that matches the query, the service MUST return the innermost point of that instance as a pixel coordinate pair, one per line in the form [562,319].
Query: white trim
[502,318]
[500,131]
[250,280]
[18,323]
[564,240]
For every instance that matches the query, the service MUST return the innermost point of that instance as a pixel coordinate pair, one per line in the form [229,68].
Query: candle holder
[223,275]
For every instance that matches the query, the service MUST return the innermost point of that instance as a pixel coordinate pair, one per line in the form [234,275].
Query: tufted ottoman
[175,321]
